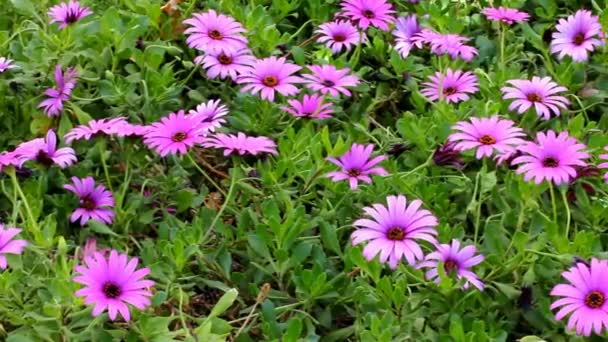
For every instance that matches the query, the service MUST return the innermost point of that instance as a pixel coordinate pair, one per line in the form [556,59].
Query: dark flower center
[450,265]
[595,299]
[111,290]
[487,140]
[328,83]
[215,34]
[550,162]
[223,59]
[88,203]
[44,158]
[354,173]
[395,234]
[369,14]
[270,81]
[449,91]
[71,17]
[179,137]
[534,97]
[339,37]
[579,39]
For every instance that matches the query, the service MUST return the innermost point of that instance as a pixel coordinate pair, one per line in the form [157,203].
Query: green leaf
[224,303]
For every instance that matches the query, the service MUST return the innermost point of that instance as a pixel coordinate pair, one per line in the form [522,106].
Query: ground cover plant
[273,170]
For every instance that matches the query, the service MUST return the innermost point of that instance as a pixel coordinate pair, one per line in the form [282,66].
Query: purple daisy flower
[454,259]
[210,115]
[175,134]
[552,157]
[45,151]
[486,135]
[357,166]
[605,164]
[269,75]
[447,155]
[225,64]
[454,86]
[213,32]
[406,29]
[95,201]
[241,144]
[505,15]
[327,79]
[584,297]
[110,283]
[577,35]
[377,13]
[11,159]
[392,231]
[8,245]
[68,13]
[65,84]
[539,93]
[6,64]
[338,35]
[311,106]
[451,44]
[108,126]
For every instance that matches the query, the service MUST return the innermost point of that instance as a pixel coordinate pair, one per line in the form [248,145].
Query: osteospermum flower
[486,135]
[107,126]
[95,201]
[453,45]
[6,64]
[269,75]
[65,84]
[551,157]
[584,297]
[175,134]
[405,30]
[211,32]
[110,283]
[311,106]
[241,144]
[447,155]
[8,245]
[68,13]
[539,93]
[357,166]
[505,15]
[339,35]
[210,114]
[10,159]
[393,231]
[453,86]
[377,13]
[577,35]
[225,64]
[45,151]
[605,164]
[327,79]
[454,260]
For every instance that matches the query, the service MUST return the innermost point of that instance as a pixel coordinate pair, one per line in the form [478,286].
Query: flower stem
[105,166]
[202,172]
[502,45]
[552,192]
[33,222]
[567,207]
[224,205]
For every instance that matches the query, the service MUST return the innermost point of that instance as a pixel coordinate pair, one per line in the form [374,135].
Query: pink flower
[6,64]
[357,166]
[8,245]
[505,15]
[454,260]
[110,283]
[405,30]
[378,13]
[451,44]
[11,159]
[552,157]
[210,115]
[95,201]
[269,75]
[539,93]
[175,134]
[107,126]
[68,13]
[311,106]
[225,64]
[605,164]
[327,79]
[212,32]
[45,151]
[65,84]
[486,135]
[577,35]
[339,35]
[393,231]
[240,144]
[454,86]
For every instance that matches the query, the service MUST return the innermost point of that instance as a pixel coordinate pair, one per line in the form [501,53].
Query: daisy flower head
[213,32]
[68,13]
[455,260]
[339,35]
[95,201]
[539,93]
[174,134]
[56,96]
[107,126]
[327,79]
[357,165]
[577,35]
[453,86]
[551,157]
[486,135]
[45,151]
[584,297]
[8,245]
[6,64]
[377,13]
[447,155]
[268,75]
[224,64]
[453,45]
[241,144]
[311,106]
[506,15]
[405,30]
[11,159]
[393,231]
[112,282]
[210,114]
[605,164]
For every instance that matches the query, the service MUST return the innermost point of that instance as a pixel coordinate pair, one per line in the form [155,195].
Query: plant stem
[567,207]
[206,175]
[105,166]
[219,213]
[552,192]
[33,223]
